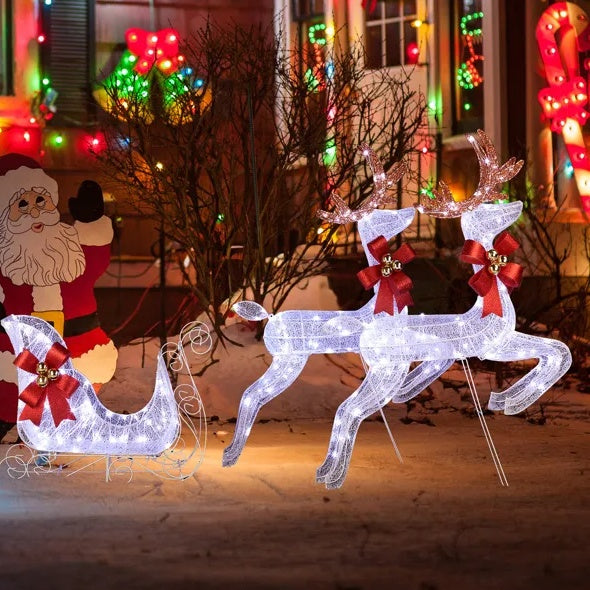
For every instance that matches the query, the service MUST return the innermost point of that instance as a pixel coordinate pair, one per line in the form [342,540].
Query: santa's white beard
[49,258]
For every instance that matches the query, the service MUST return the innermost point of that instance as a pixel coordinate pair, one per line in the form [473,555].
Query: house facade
[479,64]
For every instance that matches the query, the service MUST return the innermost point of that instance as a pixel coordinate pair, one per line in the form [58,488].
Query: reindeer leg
[554,360]
[337,437]
[376,391]
[281,373]
[421,377]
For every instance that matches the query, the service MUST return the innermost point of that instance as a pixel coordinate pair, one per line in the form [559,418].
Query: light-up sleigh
[62,423]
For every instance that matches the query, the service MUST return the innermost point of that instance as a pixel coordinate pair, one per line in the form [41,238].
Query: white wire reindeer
[390,343]
[292,336]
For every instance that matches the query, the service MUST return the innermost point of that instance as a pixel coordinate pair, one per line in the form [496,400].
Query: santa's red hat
[21,172]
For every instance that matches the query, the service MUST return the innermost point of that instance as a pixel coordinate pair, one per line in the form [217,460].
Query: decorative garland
[468,75]
[151,57]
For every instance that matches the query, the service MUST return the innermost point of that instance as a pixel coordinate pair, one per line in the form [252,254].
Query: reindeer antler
[382,181]
[491,176]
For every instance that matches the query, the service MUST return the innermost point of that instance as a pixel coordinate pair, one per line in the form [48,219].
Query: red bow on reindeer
[395,284]
[50,385]
[495,266]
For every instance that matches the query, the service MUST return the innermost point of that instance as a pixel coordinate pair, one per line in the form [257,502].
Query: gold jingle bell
[389,265]
[53,374]
[497,261]
[386,265]
[41,369]
[494,268]
[42,380]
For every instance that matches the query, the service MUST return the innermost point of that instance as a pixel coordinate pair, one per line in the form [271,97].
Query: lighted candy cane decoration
[564,101]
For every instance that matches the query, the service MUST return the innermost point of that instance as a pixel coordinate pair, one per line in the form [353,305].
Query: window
[390,38]
[6,55]
[466,23]
[303,9]
[308,17]
[67,58]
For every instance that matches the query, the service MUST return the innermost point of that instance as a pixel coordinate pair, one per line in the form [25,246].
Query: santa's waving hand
[48,269]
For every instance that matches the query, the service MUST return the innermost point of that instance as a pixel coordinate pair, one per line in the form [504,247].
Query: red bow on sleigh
[50,385]
[395,284]
[495,266]
[158,48]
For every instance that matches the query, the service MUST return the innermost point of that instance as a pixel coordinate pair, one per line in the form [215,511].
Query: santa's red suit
[69,305]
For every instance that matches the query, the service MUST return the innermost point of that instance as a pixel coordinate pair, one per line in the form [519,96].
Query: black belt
[81,325]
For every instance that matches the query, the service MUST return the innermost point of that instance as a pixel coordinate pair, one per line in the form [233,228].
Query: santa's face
[32,210]
[35,247]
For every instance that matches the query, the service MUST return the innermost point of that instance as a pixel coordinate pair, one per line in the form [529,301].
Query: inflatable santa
[48,269]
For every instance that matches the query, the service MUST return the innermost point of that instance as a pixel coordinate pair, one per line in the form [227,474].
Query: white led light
[292,336]
[392,342]
[95,430]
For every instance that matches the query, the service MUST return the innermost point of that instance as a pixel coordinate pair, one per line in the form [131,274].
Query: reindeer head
[382,181]
[492,175]
[387,223]
[485,222]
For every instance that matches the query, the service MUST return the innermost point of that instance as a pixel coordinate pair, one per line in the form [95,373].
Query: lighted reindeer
[292,336]
[390,343]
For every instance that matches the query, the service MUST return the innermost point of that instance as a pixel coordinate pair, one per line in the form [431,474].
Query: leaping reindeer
[292,336]
[390,343]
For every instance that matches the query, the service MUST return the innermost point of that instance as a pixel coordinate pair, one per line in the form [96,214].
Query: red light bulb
[412,52]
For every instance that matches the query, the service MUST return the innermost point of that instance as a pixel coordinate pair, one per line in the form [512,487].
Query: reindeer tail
[250,310]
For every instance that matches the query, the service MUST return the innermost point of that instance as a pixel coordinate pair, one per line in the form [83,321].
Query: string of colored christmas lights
[151,58]
[315,75]
[468,75]
[36,137]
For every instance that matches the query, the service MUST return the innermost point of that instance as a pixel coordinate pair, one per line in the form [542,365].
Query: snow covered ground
[439,520]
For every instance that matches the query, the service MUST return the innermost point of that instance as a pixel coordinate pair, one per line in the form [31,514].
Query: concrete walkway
[441,520]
